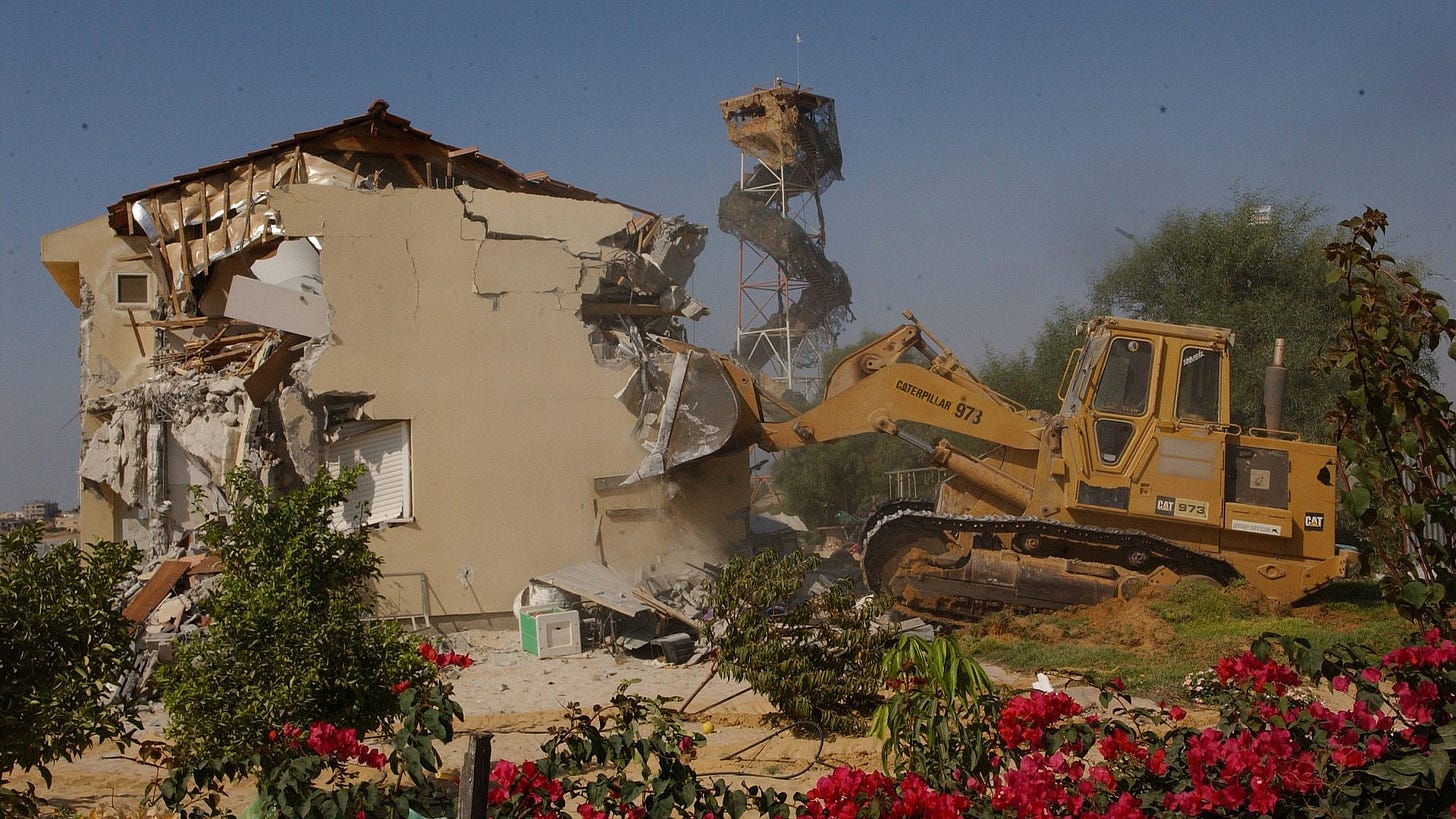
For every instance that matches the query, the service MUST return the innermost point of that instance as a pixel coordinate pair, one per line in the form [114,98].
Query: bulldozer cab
[1147,425]
[1147,434]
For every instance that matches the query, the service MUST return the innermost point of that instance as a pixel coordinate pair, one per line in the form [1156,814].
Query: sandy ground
[518,698]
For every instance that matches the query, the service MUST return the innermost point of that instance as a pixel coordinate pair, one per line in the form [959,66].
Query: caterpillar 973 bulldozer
[1140,478]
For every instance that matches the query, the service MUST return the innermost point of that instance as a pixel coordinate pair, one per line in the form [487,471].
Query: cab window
[1126,376]
[1200,374]
[1085,365]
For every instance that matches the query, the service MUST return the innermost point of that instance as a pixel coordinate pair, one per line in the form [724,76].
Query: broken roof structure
[364,294]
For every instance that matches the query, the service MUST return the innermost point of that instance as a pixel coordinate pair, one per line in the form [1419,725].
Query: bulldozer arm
[692,403]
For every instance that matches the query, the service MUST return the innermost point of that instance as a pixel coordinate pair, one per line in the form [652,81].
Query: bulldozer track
[1105,545]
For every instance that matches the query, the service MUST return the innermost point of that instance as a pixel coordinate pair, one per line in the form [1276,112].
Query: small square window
[131,290]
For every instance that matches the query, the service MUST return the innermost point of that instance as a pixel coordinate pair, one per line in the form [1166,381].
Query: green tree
[63,641]
[1264,279]
[289,640]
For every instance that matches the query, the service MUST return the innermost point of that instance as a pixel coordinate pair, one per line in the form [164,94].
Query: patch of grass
[1185,629]
[1098,662]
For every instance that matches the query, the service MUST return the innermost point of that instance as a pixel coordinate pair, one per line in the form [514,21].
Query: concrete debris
[686,409]
[290,307]
[163,600]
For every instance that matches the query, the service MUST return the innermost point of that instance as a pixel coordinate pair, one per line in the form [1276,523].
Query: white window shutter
[384,486]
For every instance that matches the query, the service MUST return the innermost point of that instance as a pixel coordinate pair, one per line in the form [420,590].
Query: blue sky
[991,151]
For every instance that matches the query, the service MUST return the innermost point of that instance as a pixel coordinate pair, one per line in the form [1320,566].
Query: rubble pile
[163,603]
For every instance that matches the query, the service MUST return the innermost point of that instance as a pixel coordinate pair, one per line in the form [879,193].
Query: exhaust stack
[1275,376]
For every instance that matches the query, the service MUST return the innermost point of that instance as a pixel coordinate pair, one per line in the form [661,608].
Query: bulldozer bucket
[699,416]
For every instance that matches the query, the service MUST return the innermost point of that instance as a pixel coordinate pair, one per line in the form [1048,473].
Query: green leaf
[1414,592]
[1357,500]
[1440,765]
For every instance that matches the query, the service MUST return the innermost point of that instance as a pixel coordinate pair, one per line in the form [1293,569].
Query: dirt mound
[1127,624]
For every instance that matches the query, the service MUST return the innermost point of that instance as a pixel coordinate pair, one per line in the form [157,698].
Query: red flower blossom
[1024,719]
[445,659]
[1435,654]
[343,744]
[1260,675]
[1417,704]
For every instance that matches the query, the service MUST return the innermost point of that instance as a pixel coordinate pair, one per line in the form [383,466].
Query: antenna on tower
[798,43]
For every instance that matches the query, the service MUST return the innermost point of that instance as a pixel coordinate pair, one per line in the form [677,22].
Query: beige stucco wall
[476,342]
[111,360]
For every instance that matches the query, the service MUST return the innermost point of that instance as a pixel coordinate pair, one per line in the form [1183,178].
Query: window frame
[1218,384]
[116,279]
[393,438]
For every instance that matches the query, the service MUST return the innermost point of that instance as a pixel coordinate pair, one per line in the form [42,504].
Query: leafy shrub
[1270,753]
[288,639]
[1395,429]
[642,761]
[62,642]
[289,676]
[815,658]
[932,724]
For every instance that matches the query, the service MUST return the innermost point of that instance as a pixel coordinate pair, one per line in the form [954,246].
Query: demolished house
[365,295]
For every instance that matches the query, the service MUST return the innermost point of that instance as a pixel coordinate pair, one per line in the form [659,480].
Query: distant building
[40,510]
[68,521]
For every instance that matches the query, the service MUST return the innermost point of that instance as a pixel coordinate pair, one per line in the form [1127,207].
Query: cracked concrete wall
[459,313]
[94,254]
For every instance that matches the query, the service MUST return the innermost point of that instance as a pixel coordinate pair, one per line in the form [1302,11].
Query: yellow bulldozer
[1140,477]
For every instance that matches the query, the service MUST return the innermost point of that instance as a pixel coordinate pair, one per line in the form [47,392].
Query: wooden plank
[193,346]
[237,354]
[155,590]
[203,564]
[379,145]
[226,341]
[141,348]
[248,214]
[475,777]
[178,323]
[410,169]
[227,211]
[204,218]
[663,608]
[270,373]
